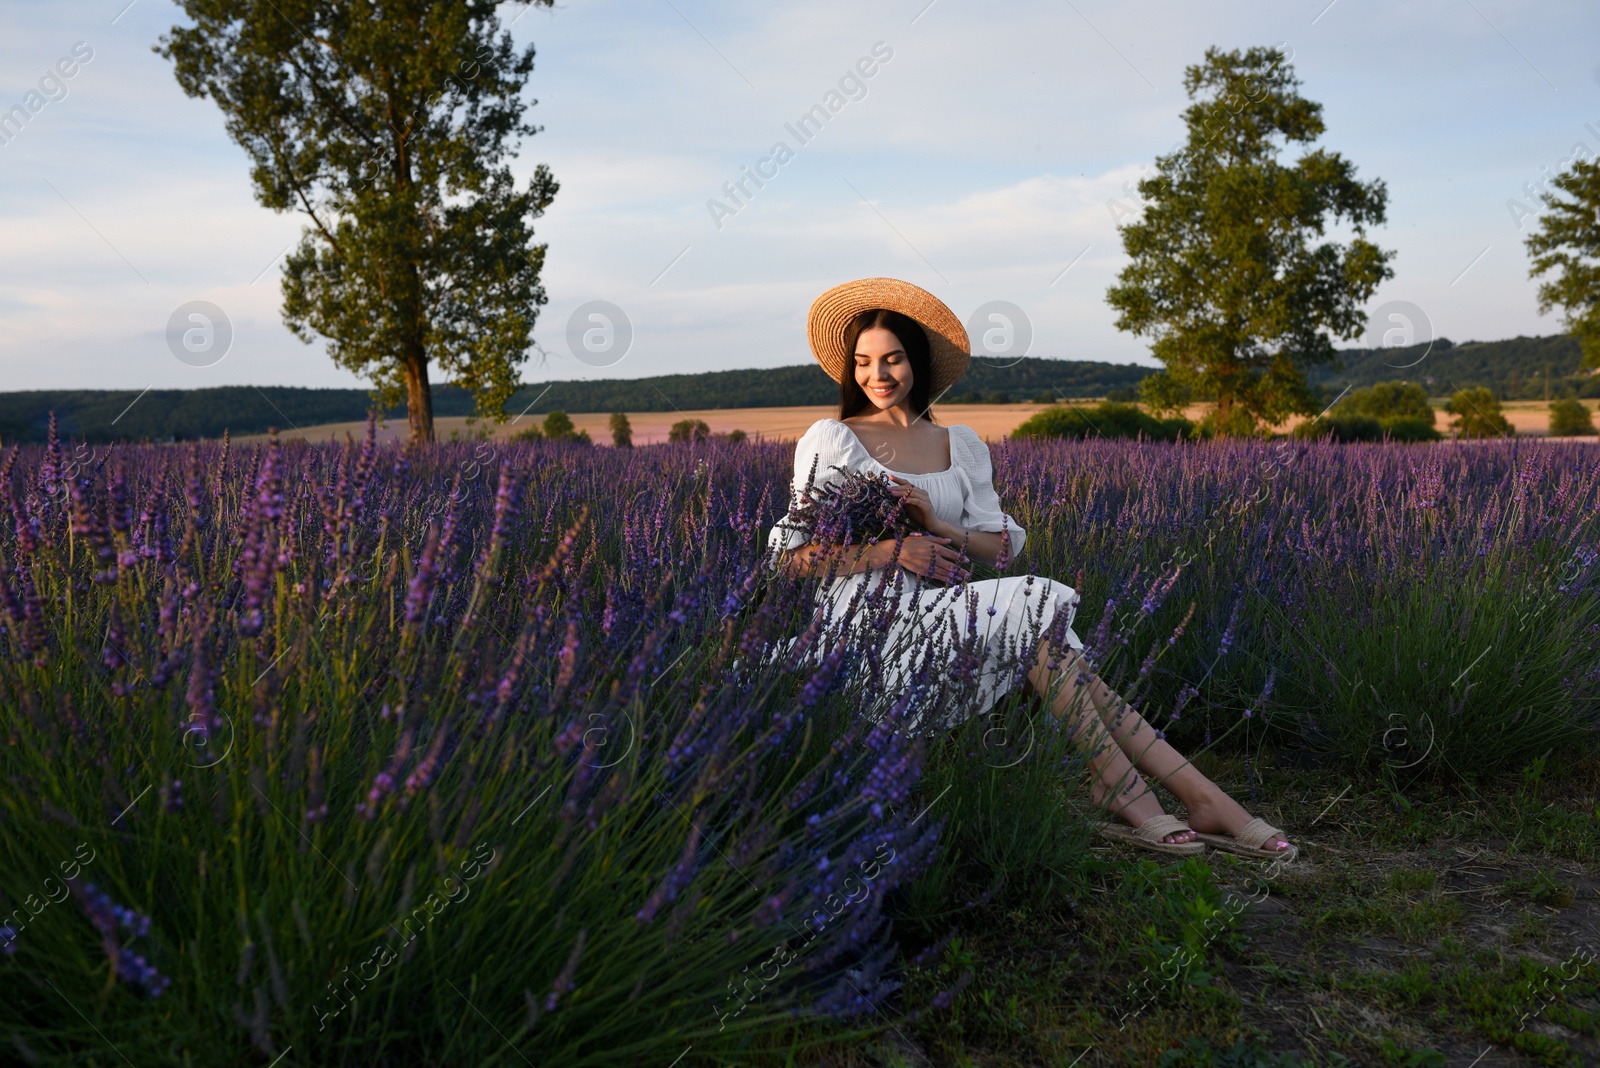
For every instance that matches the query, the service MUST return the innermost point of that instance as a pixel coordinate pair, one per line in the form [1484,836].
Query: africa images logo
[852,86]
[52,87]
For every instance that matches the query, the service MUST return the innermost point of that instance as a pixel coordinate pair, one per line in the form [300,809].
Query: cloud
[978,164]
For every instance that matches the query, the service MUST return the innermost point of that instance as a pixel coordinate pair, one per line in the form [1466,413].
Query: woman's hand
[930,556]
[918,505]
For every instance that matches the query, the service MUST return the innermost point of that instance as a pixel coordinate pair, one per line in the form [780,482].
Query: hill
[1517,369]
[183,415]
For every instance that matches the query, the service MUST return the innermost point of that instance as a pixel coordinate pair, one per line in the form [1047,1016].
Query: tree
[1567,239]
[1387,401]
[1570,417]
[388,129]
[1477,414]
[558,426]
[621,430]
[1399,410]
[1225,276]
[689,430]
[1108,419]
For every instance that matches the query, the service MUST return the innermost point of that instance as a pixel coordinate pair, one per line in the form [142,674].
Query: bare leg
[1116,786]
[1135,746]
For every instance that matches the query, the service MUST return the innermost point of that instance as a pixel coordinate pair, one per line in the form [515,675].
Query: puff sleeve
[980,504]
[823,445]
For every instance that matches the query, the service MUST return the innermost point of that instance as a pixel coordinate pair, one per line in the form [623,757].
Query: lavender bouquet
[859,508]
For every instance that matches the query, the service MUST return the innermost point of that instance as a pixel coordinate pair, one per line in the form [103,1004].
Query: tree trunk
[419,397]
[419,401]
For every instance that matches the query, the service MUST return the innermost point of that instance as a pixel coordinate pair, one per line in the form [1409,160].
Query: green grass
[1415,935]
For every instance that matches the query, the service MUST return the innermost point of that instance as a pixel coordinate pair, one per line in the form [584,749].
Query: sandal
[1148,835]
[1250,841]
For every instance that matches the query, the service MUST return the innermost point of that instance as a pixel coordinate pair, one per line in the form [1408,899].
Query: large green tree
[1229,275]
[387,123]
[1568,240]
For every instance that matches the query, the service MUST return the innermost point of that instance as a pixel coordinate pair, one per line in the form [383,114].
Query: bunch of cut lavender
[858,508]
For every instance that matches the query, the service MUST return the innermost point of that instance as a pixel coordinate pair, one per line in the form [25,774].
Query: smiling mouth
[884,391]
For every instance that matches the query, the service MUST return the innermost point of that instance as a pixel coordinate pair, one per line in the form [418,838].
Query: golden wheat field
[992,421]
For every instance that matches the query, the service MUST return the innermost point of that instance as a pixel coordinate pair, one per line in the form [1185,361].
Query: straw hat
[828,326]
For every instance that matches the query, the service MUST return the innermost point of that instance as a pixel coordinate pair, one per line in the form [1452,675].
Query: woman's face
[882,370]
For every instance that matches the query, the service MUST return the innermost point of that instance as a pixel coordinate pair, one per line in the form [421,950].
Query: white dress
[986,631]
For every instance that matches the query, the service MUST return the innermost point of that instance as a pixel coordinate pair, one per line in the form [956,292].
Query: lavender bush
[436,757]
[475,753]
[1431,608]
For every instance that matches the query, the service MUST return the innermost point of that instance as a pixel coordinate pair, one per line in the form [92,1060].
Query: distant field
[992,421]
[1518,369]
[780,424]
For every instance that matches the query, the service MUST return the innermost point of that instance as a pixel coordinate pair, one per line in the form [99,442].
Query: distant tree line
[1385,411]
[183,415]
[1521,368]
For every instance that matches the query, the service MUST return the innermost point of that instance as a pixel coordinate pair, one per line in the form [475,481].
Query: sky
[987,158]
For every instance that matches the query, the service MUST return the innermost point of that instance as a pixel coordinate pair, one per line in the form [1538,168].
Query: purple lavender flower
[421,589]
[203,717]
[1266,692]
[569,971]
[108,918]
[381,785]
[857,507]
[136,969]
[1227,634]
[423,773]
[258,561]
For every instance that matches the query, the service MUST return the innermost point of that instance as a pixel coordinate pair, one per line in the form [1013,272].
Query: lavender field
[474,754]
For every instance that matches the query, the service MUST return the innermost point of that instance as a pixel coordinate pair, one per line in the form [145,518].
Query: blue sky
[979,161]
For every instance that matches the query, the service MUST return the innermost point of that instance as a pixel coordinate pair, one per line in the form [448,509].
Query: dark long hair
[913,339]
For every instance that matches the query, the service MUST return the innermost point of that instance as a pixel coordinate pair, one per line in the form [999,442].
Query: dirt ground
[1475,875]
[1449,927]
[992,421]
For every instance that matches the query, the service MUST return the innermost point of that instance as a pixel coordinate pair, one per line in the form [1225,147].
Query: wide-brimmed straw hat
[828,326]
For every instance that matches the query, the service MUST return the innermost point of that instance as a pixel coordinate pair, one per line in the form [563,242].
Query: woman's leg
[1116,786]
[1210,809]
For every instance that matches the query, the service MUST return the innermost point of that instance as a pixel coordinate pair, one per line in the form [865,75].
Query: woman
[893,347]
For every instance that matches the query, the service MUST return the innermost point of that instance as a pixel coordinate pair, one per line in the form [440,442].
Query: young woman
[894,348]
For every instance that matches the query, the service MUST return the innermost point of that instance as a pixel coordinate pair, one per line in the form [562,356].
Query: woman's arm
[982,545]
[981,507]
[921,554]
[811,560]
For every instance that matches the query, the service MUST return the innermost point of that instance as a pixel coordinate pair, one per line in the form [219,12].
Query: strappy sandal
[1250,841]
[1148,835]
